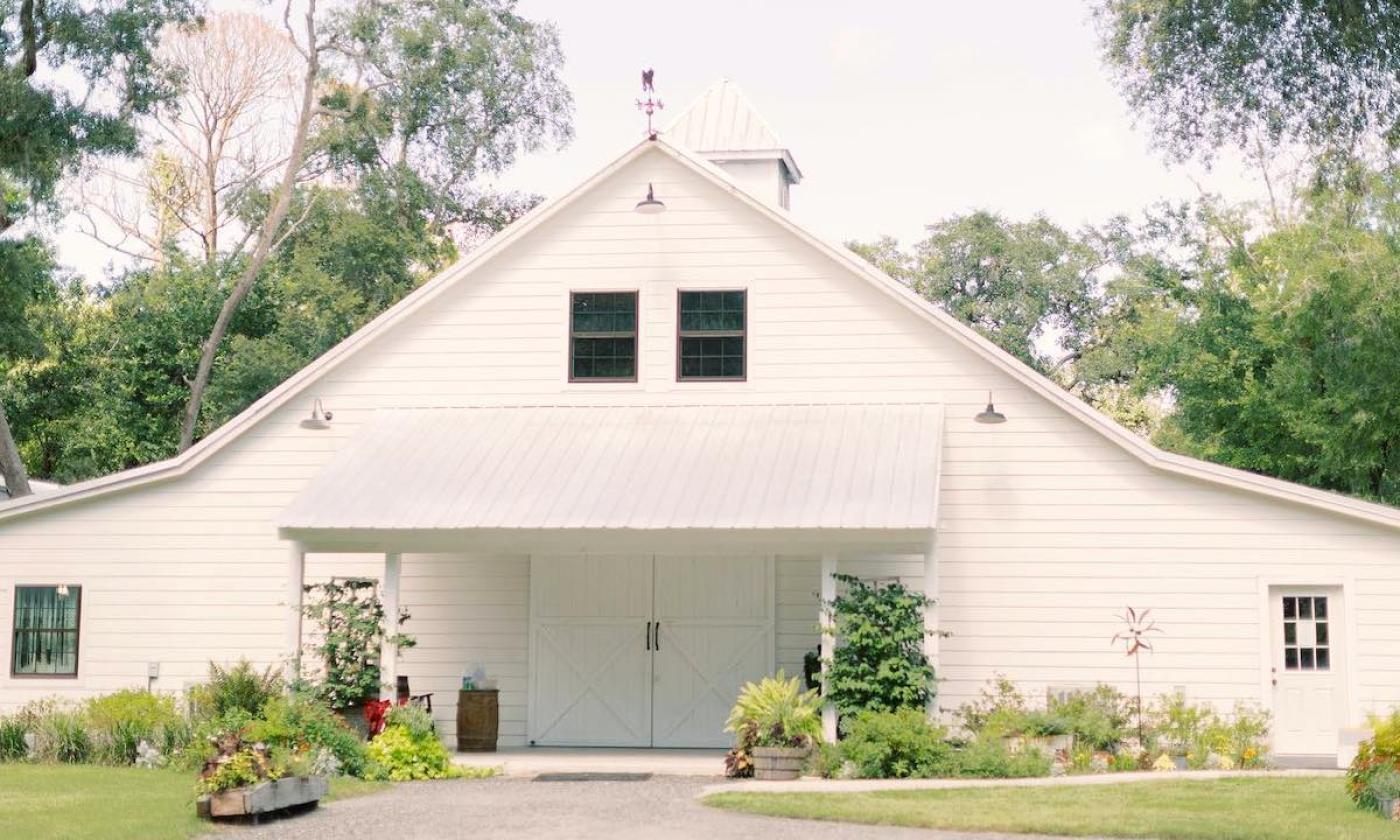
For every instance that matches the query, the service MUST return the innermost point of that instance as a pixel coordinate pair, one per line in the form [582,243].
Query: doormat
[592,777]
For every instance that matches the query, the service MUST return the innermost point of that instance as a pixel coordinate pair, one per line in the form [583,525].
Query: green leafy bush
[63,736]
[1374,757]
[1180,727]
[998,711]
[776,712]
[1099,719]
[303,721]
[1241,739]
[989,758]
[398,755]
[12,743]
[879,662]
[896,745]
[230,689]
[120,721]
[413,718]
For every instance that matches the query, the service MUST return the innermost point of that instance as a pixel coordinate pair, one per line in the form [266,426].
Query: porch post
[296,577]
[931,624]
[828,594]
[389,597]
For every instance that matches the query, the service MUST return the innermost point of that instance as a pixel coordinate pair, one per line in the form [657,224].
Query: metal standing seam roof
[851,466]
[723,120]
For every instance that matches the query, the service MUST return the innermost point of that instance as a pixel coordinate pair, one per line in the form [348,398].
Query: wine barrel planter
[779,763]
[478,720]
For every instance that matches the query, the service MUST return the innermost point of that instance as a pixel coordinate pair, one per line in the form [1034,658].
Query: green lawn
[1224,809]
[76,802]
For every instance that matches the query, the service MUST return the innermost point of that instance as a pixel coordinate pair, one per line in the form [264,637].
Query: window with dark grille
[46,631]
[1307,642]
[712,340]
[603,336]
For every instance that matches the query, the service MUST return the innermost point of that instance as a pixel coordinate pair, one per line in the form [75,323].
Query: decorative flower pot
[779,763]
[265,797]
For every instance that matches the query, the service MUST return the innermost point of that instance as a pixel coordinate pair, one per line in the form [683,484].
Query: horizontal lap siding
[1048,530]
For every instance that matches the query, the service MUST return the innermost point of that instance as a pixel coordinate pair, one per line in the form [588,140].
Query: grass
[77,802]
[1223,809]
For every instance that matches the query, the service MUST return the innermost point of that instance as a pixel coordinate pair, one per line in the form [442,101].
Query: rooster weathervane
[651,104]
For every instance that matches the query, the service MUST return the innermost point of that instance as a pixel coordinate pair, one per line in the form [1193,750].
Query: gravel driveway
[660,808]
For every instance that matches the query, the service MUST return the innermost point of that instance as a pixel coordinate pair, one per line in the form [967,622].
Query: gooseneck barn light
[990,415]
[651,204]
[319,419]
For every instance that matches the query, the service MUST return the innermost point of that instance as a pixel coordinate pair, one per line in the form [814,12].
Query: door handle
[647,635]
[656,645]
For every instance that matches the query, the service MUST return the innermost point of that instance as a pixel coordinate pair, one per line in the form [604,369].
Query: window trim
[636,337]
[743,333]
[77,633]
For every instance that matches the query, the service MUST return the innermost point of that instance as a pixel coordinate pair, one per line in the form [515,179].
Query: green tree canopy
[1325,73]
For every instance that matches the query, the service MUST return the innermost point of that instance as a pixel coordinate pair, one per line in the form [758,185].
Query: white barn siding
[1047,528]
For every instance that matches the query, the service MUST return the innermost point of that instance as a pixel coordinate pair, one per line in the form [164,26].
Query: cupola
[723,127]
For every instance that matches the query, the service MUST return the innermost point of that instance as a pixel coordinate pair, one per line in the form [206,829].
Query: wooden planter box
[779,763]
[478,720]
[265,797]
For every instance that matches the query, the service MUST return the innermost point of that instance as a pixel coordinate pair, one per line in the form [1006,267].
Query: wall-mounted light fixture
[990,415]
[651,204]
[61,590]
[319,419]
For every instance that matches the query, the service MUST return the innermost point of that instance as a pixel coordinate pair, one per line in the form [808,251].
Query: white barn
[612,456]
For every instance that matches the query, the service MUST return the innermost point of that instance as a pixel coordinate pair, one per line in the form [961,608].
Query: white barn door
[713,633]
[1308,670]
[589,651]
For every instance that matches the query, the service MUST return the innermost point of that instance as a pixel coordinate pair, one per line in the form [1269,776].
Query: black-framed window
[711,339]
[45,641]
[603,336]
[1307,642]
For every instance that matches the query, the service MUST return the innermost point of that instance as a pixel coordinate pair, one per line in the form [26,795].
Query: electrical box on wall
[152,670]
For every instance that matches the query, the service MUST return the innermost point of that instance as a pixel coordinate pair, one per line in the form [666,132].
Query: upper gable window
[45,641]
[603,337]
[711,338]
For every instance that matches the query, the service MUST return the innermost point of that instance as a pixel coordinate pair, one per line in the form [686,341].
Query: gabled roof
[860,466]
[936,317]
[723,124]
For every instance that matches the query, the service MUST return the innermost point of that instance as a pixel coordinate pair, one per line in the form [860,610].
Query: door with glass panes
[1307,671]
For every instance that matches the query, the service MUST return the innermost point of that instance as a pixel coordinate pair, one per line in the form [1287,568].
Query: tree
[1324,73]
[1028,286]
[73,76]
[423,97]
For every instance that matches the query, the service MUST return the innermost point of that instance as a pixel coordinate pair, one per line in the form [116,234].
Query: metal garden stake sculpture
[1136,628]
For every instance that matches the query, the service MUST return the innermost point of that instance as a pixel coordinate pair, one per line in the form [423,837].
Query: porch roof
[651,468]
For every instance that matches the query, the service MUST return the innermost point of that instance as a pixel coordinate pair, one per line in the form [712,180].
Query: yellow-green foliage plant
[1373,758]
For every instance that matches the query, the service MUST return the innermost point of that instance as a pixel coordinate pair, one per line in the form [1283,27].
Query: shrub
[413,718]
[12,744]
[896,745]
[1374,757]
[1240,740]
[989,758]
[998,710]
[351,622]
[1179,727]
[303,721]
[1098,719]
[879,662]
[398,755]
[122,720]
[62,735]
[241,687]
[827,761]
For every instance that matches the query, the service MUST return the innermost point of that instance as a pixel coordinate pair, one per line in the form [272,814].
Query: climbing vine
[351,623]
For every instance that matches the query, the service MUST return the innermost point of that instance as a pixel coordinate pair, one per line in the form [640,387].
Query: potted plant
[775,725]
[1048,733]
[1385,787]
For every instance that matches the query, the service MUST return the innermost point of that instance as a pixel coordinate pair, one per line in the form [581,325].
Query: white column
[389,597]
[296,577]
[931,625]
[828,594]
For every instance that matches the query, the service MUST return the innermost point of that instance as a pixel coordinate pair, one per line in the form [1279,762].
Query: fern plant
[776,712]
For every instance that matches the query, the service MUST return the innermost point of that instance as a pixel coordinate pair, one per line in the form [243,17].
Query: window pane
[46,630]
[1305,607]
[1320,608]
[1290,658]
[1290,633]
[712,311]
[1324,659]
[1290,608]
[712,357]
[1321,628]
[595,312]
[605,358]
[1305,657]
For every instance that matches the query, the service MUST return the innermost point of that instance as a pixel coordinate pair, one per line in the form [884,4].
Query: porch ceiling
[652,469]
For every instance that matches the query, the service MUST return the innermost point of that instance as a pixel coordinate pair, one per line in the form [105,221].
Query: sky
[899,113]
